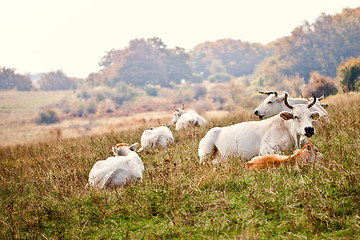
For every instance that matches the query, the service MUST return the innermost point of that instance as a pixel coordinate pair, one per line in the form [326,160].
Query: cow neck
[293,136]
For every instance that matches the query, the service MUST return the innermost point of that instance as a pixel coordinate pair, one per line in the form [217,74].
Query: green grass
[42,192]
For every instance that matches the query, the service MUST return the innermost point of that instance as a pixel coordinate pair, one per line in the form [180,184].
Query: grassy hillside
[18,111]
[43,196]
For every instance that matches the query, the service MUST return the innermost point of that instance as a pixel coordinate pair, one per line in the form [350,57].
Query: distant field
[42,194]
[23,105]
[18,111]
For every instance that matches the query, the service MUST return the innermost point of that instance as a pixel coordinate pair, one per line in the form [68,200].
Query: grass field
[42,192]
[18,111]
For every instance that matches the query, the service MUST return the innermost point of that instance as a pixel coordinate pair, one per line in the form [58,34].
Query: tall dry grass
[43,196]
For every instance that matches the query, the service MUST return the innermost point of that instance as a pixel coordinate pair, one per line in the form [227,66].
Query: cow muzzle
[256,112]
[309,131]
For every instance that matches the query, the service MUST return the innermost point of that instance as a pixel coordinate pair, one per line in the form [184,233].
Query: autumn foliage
[349,75]
[320,85]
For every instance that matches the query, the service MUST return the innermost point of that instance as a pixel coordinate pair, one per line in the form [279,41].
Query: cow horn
[286,102]
[313,102]
[268,93]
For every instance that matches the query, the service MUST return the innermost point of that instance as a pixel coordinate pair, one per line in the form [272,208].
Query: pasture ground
[42,192]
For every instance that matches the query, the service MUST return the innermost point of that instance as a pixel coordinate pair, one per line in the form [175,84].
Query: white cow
[249,139]
[115,171]
[156,137]
[274,104]
[186,118]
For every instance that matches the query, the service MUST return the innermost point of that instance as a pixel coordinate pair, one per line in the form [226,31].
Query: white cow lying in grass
[249,139]
[116,171]
[156,137]
[309,153]
[274,104]
[186,118]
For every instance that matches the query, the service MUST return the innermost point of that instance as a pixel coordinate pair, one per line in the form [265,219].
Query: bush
[56,80]
[48,116]
[320,85]
[220,77]
[349,75]
[123,93]
[200,91]
[84,108]
[151,91]
[83,94]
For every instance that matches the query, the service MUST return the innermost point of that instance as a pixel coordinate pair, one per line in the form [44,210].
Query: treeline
[55,80]
[314,55]
[320,47]
[149,61]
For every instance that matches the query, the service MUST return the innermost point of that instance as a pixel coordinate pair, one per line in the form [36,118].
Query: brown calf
[308,153]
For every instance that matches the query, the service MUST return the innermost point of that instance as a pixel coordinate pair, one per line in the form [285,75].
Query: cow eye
[296,117]
[270,102]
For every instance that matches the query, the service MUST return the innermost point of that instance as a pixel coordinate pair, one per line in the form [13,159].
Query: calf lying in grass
[125,167]
[308,153]
[156,137]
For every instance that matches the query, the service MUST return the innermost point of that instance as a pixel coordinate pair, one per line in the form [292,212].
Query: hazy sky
[73,35]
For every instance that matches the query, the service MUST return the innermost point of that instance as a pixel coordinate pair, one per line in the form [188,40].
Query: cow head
[123,149]
[271,106]
[309,153]
[177,114]
[302,117]
[160,125]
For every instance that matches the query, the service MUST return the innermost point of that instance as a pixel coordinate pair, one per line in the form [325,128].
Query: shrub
[320,85]
[56,80]
[220,77]
[83,94]
[200,91]
[151,91]
[123,93]
[349,75]
[48,116]
[84,108]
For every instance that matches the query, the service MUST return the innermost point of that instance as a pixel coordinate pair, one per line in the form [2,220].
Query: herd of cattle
[285,123]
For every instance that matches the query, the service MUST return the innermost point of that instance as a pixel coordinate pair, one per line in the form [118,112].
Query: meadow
[19,110]
[42,192]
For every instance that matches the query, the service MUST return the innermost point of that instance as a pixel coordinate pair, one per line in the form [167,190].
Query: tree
[143,62]
[10,80]
[239,58]
[56,80]
[349,75]
[320,46]
[320,85]
[176,61]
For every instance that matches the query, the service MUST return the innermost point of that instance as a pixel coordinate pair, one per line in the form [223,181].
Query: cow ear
[134,147]
[280,98]
[324,105]
[315,115]
[168,126]
[286,115]
[114,151]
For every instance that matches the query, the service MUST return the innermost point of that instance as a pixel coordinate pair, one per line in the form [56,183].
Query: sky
[73,35]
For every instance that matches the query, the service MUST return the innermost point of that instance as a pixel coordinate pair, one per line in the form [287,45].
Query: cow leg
[216,155]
